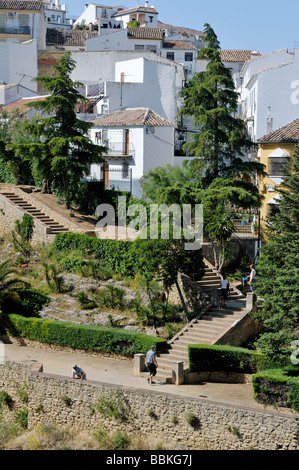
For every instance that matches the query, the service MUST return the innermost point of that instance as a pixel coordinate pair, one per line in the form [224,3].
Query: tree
[220,139]
[63,152]
[13,131]
[278,270]
[9,284]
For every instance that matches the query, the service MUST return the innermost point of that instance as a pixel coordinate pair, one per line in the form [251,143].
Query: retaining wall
[219,427]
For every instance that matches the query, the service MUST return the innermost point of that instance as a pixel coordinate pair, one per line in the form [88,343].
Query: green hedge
[278,387]
[88,337]
[210,358]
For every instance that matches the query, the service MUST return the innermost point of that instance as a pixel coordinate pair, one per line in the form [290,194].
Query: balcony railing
[118,150]
[17,30]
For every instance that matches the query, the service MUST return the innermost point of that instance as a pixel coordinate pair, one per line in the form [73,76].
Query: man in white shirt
[251,277]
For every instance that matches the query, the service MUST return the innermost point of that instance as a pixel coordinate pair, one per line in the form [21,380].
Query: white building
[138,140]
[19,63]
[132,79]
[55,15]
[21,20]
[101,16]
[269,91]
[11,93]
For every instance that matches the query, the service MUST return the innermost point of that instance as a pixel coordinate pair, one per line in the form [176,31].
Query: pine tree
[63,151]
[210,98]
[278,272]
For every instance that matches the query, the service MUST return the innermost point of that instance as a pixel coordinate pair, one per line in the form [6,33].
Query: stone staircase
[36,213]
[208,328]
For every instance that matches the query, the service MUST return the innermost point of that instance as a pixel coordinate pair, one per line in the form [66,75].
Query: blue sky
[264,25]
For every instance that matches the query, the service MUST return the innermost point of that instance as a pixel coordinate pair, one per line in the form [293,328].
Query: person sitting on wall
[78,373]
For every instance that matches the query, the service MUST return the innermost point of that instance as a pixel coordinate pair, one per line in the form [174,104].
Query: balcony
[15,30]
[118,150]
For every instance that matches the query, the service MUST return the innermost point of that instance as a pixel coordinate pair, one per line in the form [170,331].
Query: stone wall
[64,402]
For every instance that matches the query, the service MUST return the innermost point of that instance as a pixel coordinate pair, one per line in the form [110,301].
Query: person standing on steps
[224,291]
[252,277]
[151,363]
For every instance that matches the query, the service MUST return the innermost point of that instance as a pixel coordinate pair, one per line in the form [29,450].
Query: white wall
[162,79]
[19,63]
[277,88]
[158,148]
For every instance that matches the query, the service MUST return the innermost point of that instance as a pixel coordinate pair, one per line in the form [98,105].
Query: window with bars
[278,166]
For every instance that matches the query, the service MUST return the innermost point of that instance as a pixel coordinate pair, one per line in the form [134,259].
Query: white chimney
[146,4]
[269,121]
[86,5]
[57,3]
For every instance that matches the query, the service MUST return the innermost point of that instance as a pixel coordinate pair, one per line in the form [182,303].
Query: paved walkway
[120,372]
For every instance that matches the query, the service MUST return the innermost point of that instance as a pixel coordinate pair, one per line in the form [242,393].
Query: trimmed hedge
[210,358]
[88,337]
[279,387]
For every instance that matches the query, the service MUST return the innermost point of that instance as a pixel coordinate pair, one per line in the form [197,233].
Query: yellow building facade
[275,152]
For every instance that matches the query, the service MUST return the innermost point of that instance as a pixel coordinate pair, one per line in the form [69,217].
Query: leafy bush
[279,387]
[223,358]
[88,337]
[28,302]
[6,399]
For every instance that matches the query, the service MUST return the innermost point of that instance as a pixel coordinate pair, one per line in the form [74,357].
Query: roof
[138,9]
[178,44]
[132,117]
[238,55]
[285,134]
[21,104]
[144,33]
[20,4]
[181,29]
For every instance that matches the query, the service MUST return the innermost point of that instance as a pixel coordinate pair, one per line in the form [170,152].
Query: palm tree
[9,283]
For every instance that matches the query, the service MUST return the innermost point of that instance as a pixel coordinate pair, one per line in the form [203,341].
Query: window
[139,47]
[125,170]
[278,166]
[152,48]
[188,56]
[170,55]
[151,19]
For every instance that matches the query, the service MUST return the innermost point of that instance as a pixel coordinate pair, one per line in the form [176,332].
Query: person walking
[151,363]
[224,291]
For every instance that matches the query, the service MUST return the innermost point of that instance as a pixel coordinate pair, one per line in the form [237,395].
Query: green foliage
[193,420]
[6,399]
[278,271]
[29,302]
[114,405]
[9,284]
[62,153]
[223,358]
[278,387]
[212,101]
[87,337]
[21,418]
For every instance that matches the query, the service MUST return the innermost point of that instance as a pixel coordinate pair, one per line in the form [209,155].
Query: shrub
[6,399]
[21,418]
[29,302]
[193,420]
[114,405]
[88,337]
[278,387]
[222,358]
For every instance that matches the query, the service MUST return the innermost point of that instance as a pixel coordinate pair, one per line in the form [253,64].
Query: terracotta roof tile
[20,4]
[285,134]
[138,9]
[132,117]
[144,33]
[21,104]
[177,44]
[238,55]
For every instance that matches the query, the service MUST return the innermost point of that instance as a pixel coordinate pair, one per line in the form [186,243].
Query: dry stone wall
[64,402]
